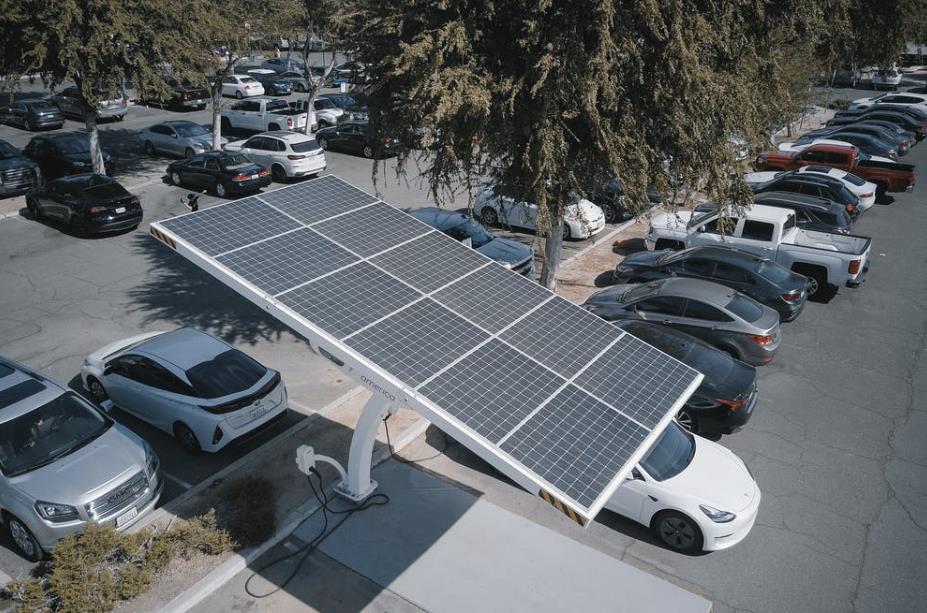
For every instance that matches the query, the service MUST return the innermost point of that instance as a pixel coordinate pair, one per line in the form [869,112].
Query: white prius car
[186,383]
[581,220]
[694,494]
[287,154]
[862,189]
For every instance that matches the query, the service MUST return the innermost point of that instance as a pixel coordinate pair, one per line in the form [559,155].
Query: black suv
[66,153]
[811,212]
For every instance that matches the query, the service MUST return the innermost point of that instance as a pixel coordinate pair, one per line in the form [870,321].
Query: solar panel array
[553,389]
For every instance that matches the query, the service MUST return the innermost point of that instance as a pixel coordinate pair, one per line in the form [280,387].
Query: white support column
[358,485]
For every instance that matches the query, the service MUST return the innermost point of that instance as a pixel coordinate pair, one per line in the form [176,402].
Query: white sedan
[580,220]
[186,383]
[900,99]
[862,189]
[241,86]
[287,154]
[694,494]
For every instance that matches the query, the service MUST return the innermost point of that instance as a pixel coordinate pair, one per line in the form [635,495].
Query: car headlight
[719,517]
[151,460]
[56,513]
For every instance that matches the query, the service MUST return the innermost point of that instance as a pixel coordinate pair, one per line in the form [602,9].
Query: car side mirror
[107,405]
[635,475]
[173,135]
[700,229]
[109,370]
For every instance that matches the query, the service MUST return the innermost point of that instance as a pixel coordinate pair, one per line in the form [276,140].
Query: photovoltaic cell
[418,341]
[561,336]
[492,297]
[430,261]
[349,299]
[283,262]
[637,379]
[318,199]
[576,443]
[229,226]
[492,389]
[370,230]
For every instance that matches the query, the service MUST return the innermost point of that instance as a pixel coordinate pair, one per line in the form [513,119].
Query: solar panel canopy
[539,386]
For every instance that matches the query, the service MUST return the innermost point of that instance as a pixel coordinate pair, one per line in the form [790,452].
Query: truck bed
[886,165]
[841,243]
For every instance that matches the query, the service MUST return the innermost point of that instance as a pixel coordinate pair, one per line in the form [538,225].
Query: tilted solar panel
[550,394]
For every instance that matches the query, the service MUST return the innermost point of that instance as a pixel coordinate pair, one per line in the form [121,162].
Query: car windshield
[700,219]
[306,145]
[7,151]
[472,230]
[277,105]
[73,145]
[49,432]
[324,103]
[234,161]
[229,372]
[106,191]
[639,291]
[777,273]
[190,129]
[671,454]
[746,308]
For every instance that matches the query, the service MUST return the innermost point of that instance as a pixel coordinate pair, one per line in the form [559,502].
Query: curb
[238,562]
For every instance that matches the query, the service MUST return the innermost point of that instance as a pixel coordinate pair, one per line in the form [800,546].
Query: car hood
[715,477]
[17,162]
[609,295]
[672,221]
[584,210]
[756,178]
[204,140]
[98,356]
[643,259]
[506,250]
[88,472]
[235,145]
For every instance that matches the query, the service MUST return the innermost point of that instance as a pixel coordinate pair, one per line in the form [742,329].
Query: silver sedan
[181,138]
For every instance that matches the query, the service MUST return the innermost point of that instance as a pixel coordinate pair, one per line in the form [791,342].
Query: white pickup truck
[828,260]
[263,114]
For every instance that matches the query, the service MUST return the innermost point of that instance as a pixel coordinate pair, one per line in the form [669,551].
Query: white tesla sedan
[187,383]
[694,494]
[580,220]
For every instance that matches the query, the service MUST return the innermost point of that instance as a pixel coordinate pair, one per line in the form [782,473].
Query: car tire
[175,179]
[273,127]
[368,152]
[226,124]
[238,94]
[278,173]
[188,153]
[33,208]
[489,216]
[730,351]
[818,279]
[567,234]
[677,531]
[30,126]
[880,193]
[323,143]
[97,391]
[186,438]
[687,420]
[611,213]
[149,148]
[25,543]
[219,189]
[665,243]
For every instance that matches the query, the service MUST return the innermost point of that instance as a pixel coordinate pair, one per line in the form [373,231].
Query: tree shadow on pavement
[177,291]
[128,159]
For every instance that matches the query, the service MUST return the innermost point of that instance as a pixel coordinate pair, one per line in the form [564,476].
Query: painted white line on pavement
[4,578]
[606,237]
[176,480]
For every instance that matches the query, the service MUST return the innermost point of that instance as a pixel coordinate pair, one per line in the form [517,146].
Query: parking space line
[177,480]
[4,578]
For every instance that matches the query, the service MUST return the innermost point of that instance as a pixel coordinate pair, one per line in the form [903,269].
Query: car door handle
[652,498]
[666,321]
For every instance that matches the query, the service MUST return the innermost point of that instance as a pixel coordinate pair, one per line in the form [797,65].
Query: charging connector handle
[307,458]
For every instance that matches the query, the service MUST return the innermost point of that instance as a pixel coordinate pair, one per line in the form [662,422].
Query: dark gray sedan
[32,115]
[720,316]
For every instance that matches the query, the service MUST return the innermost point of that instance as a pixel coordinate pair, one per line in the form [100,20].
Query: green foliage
[91,572]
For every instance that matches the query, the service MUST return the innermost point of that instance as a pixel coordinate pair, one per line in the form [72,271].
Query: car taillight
[869,195]
[135,202]
[855,266]
[295,157]
[184,95]
[264,172]
[97,209]
[733,405]
[851,208]
[241,177]
[892,153]
[760,339]
[791,297]
[289,122]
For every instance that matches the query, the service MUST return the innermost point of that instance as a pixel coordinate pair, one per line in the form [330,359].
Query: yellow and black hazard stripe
[562,507]
[164,238]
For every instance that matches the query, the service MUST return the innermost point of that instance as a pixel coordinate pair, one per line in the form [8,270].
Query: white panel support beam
[358,485]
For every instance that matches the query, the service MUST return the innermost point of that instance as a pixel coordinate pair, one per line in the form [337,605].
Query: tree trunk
[553,244]
[313,88]
[96,153]
[216,114]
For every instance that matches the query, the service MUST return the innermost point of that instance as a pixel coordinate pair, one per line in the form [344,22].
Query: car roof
[184,347]
[288,135]
[16,402]
[804,200]
[85,177]
[178,122]
[720,252]
[771,214]
[706,291]
[811,177]
[261,71]
[62,136]
[823,170]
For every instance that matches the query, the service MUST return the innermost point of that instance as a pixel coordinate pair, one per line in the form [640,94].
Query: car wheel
[188,153]
[149,148]
[664,243]
[685,419]
[323,142]
[368,152]
[611,213]
[30,126]
[238,94]
[175,178]
[731,352]
[566,232]
[21,536]
[880,193]
[186,438]
[323,124]
[226,125]
[278,174]
[33,208]
[273,127]
[97,391]
[489,216]
[677,531]
[301,88]
[220,189]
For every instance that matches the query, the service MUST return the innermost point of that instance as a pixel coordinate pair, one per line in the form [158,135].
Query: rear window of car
[234,162]
[277,105]
[773,271]
[851,178]
[20,391]
[5,370]
[229,372]
[306,145]
[41,105]
[106,191]
[246,80]
[745,308]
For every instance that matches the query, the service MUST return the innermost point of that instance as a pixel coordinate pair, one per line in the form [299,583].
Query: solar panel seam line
[281,211]
[450,283]
[258,242]
[387,316]
[568,381]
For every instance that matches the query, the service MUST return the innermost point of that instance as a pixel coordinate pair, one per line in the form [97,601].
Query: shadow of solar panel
[348,300]
[492,389]
[318,199]
[492,297]
[561,336]
[430,261]
[283,262]
[576,443]
[418,341]
[229,226]
[372,229]
[639,380]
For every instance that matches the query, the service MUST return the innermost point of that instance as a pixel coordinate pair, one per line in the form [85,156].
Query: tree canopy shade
[547,99]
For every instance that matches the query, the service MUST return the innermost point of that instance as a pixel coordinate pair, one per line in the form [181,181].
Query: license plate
[257,412]
[120,209]
[126,517]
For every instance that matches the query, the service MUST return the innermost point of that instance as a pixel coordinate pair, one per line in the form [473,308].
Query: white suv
[287,154]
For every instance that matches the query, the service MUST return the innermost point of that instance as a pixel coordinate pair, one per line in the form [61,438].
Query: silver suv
[63,463]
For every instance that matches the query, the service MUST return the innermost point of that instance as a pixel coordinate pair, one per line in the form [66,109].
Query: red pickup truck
[888,176]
